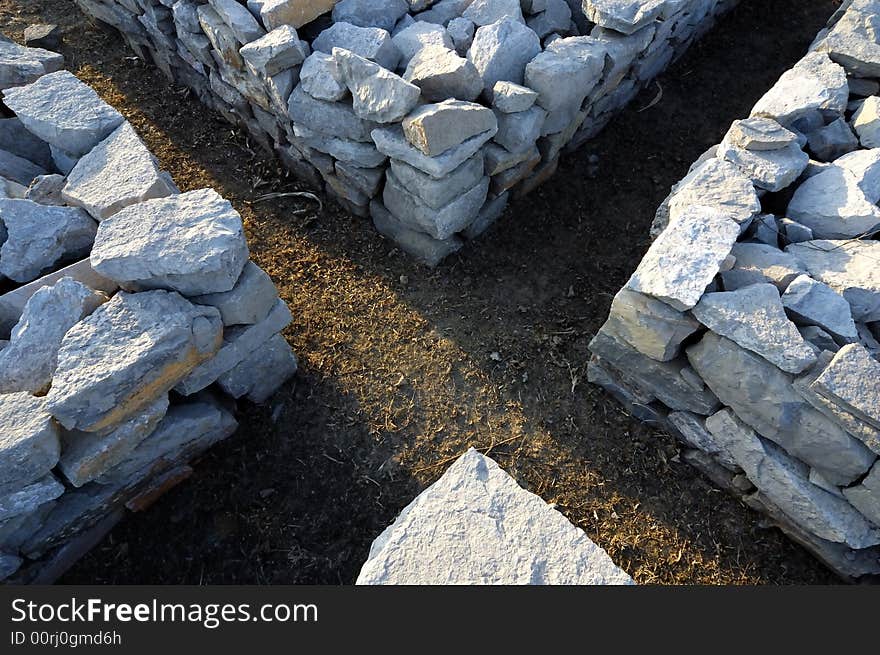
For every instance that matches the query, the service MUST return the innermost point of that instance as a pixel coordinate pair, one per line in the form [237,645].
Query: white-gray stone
[510,98]
[772,170]
[29,440]
[20,65]
[834,206]
[18,169]
[692,430]
[809,302]
[719,184]
[441,74]
[242,23]
[759,134]
[419,35]
[30,497]
[370,13]
[192,243]
[64,112]
[758,262]
[437,193]
[754,318]
[851,380]
[486,12]
[275,13]
[369,42]
[520,131]
[320,77]
[278,50]
[15,138]
[556,18]
[865,497]
[866,122]
[461,31]
[332,119]
[500,51]
[378,94]
[248,302]
[832,141]
[625,16]
[40,236]
[260,374]
[128,352]
[46,190]
[865,166]
[424,248]
[436,128]
[392,142]
[477,526]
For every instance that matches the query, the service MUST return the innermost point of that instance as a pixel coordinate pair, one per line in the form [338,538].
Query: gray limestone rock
[260,374]
[759,134]
[852,42]
[754,318]
[378,94]
[419,35]
[864,165]
[623,16]
[686,257]
[370,13]
[486,12]
[865,497]
[424,248]
[461,31]
[851,381]
[238,343]
[772,170]
[46,190]
[555,18]
[28,361]
[221,36]
[242,23]
[278,50]
[30,497]
[832,141]
[719,184]
[477,526]
[763,397]
[15,138]
[332,119]
[500,159]
[369,42]
[20,65]
[441,74]
[520,131]
[118,172]
[128,352]
[834,206]
[192,243]
[510,98]
[757,263]
[40,236]
[248,302]
[64,112]
[29,441]
[691,429]
[18,169]
[848,267]
[298,13]
[437,193]
[866,122]
[321,78]
[436,128]
[355,152]
[392,142]
[564,74]
[809,302]
[500,51]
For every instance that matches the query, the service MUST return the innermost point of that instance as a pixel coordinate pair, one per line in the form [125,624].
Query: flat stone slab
[28,361]
[439,193]
[756,263]
[476,525]
[239,19]
[276,13]
[372,43]
[772,170]
[378,94]
[262,372]
[126,354]
[64,112]
[510,98]
[852,42]
[785,481]
[29,498]
[500,52]
[248,302]
[392,142]
[20,65]
[419,35]
[809,302]
[29,441]
[39,236]
[116,173]
[15,138]
[686,257]
[848,267]
[834,206]
[718,184]
[437,128]
[764,398]
[624,16]
[277,51]
[18,169]
[332,119]
[421,246]
[193,243]
[754,318]
[759,134]
[851,379]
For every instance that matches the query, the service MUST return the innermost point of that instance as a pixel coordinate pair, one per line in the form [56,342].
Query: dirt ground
[403,368]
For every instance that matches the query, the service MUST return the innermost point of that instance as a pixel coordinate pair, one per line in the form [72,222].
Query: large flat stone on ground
[126,354]
[192,243]
[476,525]
[20,65]
[64,112]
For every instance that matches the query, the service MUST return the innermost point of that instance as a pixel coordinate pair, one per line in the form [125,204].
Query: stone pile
[424,115]
[750,329]
[477,526]
[132,320]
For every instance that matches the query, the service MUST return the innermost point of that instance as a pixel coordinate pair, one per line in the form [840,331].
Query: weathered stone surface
[321,78]
[242,23]
[623,16]
[833,205]
[851,380]
[809,302]
[379,95]
[118,172]
[238,343]
[499,159]
[20,65]
[486,12]
[332,119]
[39,236]
[15,138]
[261,373]
[500,51]
[441,223]
[192,243]
[754,318]
[369,42]
[28,361]
[756,263]
[413,38]
[439,193]
[763,397]
[832,141]
[392,142]
[819,338]
[370,13]
[510,98]
[848,267]
[692,430]
[29,441]
[490,212]
[436,128]
[718,184]
[555,18]
[785,481]
[865,166]
[461,31]
[639,403]
[424,248]
[248,302]
[852,42]
[46,190]
[520,131]
[814,84]
[650,326]
[672,383]
[772,170]
[441,74]
[221,36]
[126,354]
[64,112]
[29,498]
[278,50]
[85,456]
[865,497]
[365,180]
[18,169]
[759,134]
[477,526]
[185,431]
[685,258]
[275,13]
[866,122]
